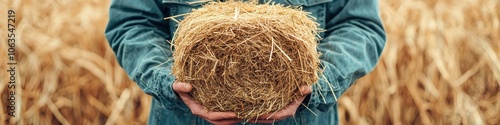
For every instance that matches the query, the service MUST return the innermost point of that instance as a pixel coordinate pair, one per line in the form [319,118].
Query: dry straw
[67,72]
[440,66]
[246,58]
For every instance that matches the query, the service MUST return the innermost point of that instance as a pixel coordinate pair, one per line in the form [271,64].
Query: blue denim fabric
[351,47]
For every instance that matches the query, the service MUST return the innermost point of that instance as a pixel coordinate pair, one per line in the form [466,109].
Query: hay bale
[246,58]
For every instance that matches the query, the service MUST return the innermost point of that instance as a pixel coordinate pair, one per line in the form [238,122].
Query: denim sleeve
[354,40]
[137,34]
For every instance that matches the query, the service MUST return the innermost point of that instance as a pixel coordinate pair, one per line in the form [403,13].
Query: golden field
[441,65]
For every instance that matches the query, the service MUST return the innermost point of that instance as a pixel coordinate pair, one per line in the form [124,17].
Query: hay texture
[440,66]
[246,58]
[66,72]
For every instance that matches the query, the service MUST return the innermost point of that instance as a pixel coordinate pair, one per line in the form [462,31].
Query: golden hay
[246,58]
[68,73]
[440,66]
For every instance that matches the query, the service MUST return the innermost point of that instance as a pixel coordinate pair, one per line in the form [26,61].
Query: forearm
[137,34]
[351,48]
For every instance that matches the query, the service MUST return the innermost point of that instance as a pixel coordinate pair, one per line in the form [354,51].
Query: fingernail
[185,87]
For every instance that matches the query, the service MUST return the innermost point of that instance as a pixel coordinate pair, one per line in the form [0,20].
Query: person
[351,47]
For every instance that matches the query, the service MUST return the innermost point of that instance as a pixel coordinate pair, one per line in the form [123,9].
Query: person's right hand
[218,118]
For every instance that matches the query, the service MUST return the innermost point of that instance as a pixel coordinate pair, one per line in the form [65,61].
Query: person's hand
[288,111]
[218,118]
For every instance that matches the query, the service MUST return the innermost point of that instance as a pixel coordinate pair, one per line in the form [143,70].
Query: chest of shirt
[317,8]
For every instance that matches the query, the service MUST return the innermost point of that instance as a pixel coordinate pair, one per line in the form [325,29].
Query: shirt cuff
[164,92]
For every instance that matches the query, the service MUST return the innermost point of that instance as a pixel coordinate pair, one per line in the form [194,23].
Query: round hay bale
[246,58]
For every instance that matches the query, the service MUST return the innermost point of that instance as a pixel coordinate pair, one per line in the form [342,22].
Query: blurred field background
[440,66]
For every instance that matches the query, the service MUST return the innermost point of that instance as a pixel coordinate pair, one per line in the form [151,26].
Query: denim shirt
[351,46]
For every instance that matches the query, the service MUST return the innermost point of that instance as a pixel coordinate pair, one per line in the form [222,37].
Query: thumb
[182,87]
[307,89]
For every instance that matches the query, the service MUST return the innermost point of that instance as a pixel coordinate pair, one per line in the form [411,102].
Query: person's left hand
[288,111]
[218,118]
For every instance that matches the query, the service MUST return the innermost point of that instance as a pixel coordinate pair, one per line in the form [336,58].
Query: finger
[306,89]
[225,122]
[282,114]
[288,111]
[299,101]
[196,108]
[266,116]
[182,87]
[219,115]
